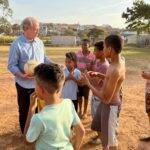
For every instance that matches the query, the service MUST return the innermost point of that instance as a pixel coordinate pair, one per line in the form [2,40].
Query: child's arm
[33,105]
[79,134]
[146,75]
[96,74]
[34,125]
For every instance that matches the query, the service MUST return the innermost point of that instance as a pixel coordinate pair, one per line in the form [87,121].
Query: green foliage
[5,40]
[95,34]
[6,10]
[5,26]
[69,32]
[138,16]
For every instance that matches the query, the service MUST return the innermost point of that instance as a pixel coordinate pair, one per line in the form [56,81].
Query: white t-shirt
[70,87]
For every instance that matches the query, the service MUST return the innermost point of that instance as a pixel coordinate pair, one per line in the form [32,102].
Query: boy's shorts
[95,101]
[83,91]
[147,102]
[106,122]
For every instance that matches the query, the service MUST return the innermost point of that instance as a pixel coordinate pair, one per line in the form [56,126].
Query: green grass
[137,59]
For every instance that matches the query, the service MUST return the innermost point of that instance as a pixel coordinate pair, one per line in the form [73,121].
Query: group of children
[63,90]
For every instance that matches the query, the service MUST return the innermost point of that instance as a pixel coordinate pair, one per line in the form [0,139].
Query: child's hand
[92,73]
[71,77]
[33,101]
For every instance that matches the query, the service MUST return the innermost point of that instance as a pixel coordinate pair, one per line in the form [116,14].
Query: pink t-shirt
[101,68]
[85,62]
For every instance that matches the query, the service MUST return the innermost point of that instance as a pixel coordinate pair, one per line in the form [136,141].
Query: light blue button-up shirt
[22,51]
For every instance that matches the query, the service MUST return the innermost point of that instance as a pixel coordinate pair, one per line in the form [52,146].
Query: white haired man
[26,47]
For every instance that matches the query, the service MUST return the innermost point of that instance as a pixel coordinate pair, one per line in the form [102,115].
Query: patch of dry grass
[133,119]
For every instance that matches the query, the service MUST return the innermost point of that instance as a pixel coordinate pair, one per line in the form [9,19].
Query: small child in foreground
[72,77]
[51,128]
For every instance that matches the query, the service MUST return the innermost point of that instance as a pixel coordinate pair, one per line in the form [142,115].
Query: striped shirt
[22,51]
[85,62]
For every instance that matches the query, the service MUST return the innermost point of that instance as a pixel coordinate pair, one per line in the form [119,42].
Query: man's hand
[27,76]
[33,101]
[71,77]
[24,75]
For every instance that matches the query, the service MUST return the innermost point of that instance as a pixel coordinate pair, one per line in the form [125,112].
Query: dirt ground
[133,119]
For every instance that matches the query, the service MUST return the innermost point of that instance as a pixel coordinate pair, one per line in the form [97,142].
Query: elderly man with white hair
[26,47]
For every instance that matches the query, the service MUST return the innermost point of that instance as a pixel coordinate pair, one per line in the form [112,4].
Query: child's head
[49,78]
[85,44]
[113,43]
[98,49]
[71,59]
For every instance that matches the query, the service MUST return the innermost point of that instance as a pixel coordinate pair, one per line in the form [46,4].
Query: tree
[69,32]
[95,33]
[5,8]
[5,26]
[138,17]
[16,28]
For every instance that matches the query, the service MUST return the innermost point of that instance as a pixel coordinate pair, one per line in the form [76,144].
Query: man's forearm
[19,74]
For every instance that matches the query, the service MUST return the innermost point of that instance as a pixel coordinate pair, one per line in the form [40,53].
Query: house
[129,37]
[134,38]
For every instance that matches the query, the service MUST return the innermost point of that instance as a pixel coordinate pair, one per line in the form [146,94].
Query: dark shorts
[147,102]
[83,92]
[106,122]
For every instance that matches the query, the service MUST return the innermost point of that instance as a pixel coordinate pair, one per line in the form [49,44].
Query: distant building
[64,40]
[134,38]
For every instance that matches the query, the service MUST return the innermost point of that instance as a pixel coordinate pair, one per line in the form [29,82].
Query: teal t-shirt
[51,128]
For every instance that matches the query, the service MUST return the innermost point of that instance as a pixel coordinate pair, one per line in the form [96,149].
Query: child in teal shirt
[51,128]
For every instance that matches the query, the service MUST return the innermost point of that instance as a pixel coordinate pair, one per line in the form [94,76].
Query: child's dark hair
[72,56]
[115,42]
[50,76]
[99,45]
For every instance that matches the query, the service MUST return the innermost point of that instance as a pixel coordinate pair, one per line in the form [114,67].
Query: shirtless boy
[106,119]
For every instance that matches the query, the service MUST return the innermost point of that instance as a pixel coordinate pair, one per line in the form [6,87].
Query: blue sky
[96,12]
